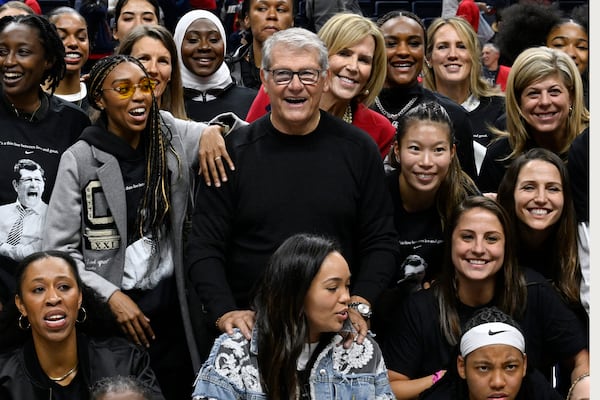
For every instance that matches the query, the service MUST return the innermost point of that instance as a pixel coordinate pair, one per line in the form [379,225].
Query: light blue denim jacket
[231,371]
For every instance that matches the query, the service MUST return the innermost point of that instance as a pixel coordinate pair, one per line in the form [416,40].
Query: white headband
[491,333]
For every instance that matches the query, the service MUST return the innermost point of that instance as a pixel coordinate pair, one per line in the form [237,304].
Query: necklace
[394,117]
[65,376]
[26,116]
[348,114]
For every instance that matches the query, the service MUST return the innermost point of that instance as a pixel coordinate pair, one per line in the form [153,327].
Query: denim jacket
[231,371]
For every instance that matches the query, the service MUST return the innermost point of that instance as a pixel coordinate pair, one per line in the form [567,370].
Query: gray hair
[492,46]
[118,384]
[295,38]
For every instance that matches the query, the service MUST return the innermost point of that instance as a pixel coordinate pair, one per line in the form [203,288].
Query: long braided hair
[154,207]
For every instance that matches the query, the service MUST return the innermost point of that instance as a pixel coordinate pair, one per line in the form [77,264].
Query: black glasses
[307,76]
[126,89]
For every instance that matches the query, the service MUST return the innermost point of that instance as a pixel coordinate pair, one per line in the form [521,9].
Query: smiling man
[298,169]
[21,222]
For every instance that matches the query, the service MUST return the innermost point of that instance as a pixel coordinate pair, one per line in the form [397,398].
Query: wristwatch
[363,309]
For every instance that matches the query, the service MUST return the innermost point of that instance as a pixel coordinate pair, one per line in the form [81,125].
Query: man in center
[298,169]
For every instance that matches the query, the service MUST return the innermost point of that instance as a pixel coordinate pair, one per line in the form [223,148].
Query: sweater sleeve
[376,239]
[211,228]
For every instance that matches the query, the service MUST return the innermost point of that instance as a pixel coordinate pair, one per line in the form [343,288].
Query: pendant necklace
[348,114]
[394,117]
[65,376]
[25,116]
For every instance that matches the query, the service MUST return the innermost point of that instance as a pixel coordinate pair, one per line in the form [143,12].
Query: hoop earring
[84,316]
[20,323]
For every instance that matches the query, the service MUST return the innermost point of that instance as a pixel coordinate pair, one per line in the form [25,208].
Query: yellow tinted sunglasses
[126,89]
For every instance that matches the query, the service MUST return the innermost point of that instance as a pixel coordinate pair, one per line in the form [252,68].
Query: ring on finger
[217,158]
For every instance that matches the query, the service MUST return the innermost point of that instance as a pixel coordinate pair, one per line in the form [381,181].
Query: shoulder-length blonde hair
[533,65]
[346,29]
[478,86]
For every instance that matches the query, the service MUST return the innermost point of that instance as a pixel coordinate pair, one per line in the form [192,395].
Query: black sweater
[330,182]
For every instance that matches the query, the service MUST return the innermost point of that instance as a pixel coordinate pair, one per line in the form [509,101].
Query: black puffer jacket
[22,378]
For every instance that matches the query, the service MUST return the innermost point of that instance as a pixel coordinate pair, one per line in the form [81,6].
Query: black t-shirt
[488,112]
[579,173]
[421,246]
[420,237]
[43,139]
[416,346]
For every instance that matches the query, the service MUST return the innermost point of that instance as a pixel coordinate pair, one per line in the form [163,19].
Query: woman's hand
[213,155]
[132,320]
[241,319]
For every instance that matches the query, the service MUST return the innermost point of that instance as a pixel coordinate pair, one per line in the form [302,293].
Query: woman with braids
[35,127]
[480,270]
[296,352]
[405,43]
[119,209]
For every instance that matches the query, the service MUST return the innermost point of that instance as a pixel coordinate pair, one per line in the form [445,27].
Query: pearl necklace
[65,376]
[394,117]
[348,114]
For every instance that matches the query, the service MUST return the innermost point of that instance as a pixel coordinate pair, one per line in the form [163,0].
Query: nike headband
[491,333]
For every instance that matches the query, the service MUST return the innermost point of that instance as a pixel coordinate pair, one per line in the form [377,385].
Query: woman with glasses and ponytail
[119,209]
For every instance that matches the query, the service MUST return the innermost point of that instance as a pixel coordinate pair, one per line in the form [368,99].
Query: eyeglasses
[284,76]
[126,89]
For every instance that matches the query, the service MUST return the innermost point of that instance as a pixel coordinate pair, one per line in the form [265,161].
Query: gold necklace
[348,114]
[24,115]
[65,376]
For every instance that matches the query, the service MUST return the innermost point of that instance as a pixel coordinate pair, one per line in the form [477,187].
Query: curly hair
[535,20]
[54,49]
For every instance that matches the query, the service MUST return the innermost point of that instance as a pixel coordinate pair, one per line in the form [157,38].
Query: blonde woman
[544,108]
